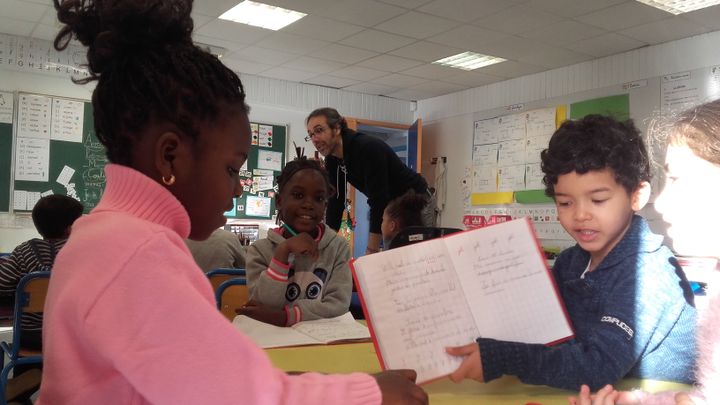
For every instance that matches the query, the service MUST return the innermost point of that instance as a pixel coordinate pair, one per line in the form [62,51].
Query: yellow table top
[348,358]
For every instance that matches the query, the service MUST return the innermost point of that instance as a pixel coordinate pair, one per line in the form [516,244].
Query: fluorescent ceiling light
[680,6]
[262,15]
[469,61]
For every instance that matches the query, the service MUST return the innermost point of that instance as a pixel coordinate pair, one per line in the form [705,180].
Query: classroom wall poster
[6,107]
[257,206]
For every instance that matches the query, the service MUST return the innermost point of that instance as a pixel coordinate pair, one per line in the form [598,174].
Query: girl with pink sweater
[687,203]
[129,317]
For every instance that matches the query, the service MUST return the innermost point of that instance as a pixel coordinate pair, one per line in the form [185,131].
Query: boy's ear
[640,196]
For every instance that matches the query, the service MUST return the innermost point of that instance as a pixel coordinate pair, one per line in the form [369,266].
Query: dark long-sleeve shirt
[633,317]
[374,169]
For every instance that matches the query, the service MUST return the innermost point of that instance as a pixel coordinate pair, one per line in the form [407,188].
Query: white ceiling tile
[263,55]
[512,47]
[342,53]
[623,15]
[223,43]
[467,37]
[367,13]
[389,63]
[399,80]
[560,32]
[472,79]
[291,43]
[318,27]
[331,81]
[200,19]
[245,66]
[573,8]
[412,95]
[605,45]
[409,4]
[15,27]
[517,19]
[663,31]
[467,10]
[304,6]
[709,17]
[371,88]
[416,25]
[509,69]
[551,57]
[24,11]
[377,41]
[358,72]
[235,32]
[426,51]
[314,65]
[438,88]
[288,74]
[433,72]
[213,8]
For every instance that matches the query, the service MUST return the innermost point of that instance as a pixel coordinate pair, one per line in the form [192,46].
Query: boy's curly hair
[596,142]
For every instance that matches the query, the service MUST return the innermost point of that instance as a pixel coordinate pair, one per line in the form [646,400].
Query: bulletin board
[258,176]
[6,128]
[55,151]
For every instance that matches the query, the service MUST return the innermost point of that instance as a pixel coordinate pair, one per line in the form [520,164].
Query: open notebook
[342,329]
[491,282]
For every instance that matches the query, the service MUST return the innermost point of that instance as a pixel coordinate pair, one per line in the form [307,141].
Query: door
[414,146]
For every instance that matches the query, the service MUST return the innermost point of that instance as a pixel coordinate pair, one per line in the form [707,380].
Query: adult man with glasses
[369,164]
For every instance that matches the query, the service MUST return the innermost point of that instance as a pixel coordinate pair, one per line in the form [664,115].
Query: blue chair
[29,298]
[220,275]
[231,295]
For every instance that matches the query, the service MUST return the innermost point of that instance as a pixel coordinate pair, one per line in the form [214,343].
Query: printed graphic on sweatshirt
[305,284]
[620,324]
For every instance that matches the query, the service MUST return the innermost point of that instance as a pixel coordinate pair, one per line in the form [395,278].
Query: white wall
[448,120]
[271,101]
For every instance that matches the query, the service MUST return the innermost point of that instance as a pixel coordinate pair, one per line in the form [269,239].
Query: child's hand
[398,388]
[262,313]
[605,396]
[471,366]
[301,244]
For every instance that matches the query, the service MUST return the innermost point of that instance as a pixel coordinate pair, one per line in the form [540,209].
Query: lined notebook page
[507,284]
[416,306]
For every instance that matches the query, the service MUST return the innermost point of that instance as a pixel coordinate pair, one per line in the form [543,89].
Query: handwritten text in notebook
[489,282]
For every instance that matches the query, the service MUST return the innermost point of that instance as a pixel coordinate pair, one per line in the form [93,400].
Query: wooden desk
[504,391]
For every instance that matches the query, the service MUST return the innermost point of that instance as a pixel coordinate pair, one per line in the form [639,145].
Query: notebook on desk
[491,282]
[342,329]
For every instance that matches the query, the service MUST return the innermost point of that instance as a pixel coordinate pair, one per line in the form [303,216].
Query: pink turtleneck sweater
[131,319]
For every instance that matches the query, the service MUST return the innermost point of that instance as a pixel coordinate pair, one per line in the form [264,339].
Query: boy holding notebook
[628,299]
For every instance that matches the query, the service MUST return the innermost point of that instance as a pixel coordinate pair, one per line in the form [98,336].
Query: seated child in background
[221,250]
[404,211]
[53,217]
[628,299]
[692,173]
[300,271]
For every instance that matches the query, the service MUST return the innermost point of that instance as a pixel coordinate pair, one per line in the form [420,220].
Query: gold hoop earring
[170,181]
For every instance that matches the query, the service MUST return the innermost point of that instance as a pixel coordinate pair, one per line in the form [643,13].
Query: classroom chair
[231,295]
[29,298]
[414,234]
[220,275]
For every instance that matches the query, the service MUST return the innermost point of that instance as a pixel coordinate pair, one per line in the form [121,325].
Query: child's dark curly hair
[406,210]
[596,142]
[302,163]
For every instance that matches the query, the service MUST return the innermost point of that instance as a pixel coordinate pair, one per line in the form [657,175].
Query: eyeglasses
[317,131]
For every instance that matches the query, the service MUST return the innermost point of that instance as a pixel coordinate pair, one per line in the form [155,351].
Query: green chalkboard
[265,160]
[86,158]
[5,163]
